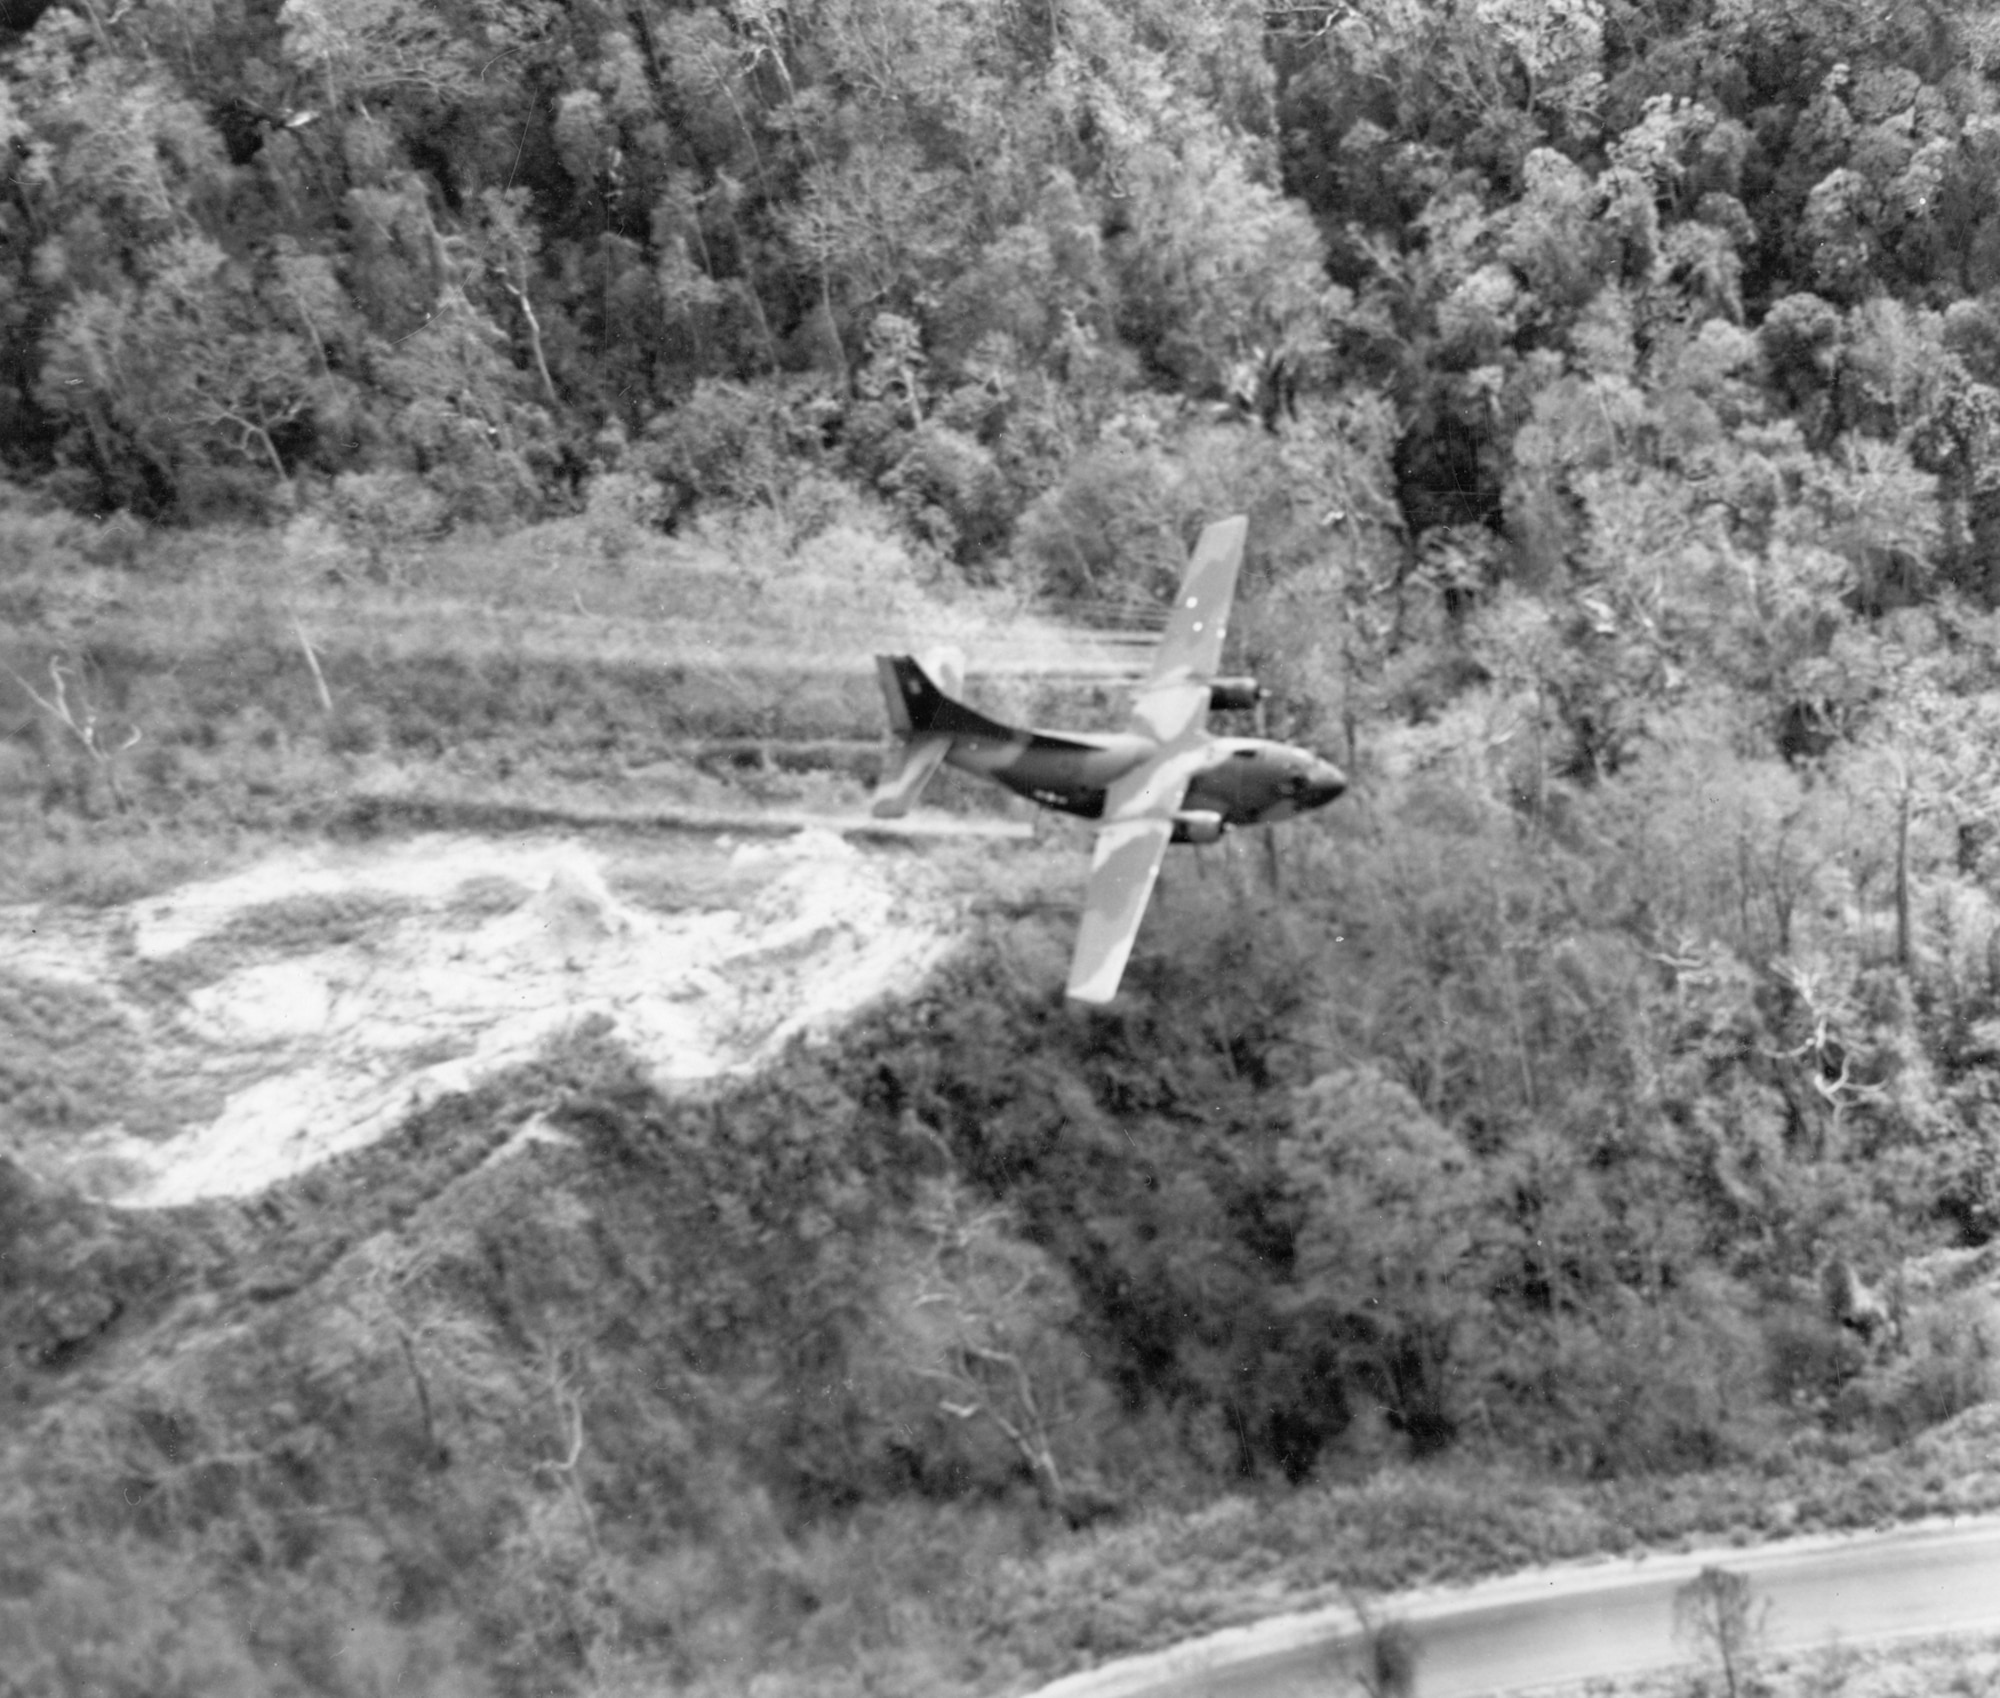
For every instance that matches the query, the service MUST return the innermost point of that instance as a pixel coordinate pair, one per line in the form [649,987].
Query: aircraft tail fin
[919,693]
[925,716]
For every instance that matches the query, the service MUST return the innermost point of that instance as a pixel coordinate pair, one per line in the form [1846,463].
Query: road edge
[1329,1626]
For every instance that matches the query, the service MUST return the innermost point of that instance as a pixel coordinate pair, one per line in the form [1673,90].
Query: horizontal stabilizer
[899,790]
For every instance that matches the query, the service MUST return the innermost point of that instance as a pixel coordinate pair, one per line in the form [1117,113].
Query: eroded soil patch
[234,1032]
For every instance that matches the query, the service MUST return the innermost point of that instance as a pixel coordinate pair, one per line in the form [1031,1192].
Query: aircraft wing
[1139,809]
[1122,870]
[1174,699]
[1138,824]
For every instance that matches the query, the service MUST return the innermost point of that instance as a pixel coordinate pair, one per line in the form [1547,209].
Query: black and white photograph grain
[999,849]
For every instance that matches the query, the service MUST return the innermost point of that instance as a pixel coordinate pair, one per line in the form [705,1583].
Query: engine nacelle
[1238,692]
[1198,825]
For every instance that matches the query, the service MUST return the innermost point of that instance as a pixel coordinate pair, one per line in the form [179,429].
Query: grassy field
[170,703]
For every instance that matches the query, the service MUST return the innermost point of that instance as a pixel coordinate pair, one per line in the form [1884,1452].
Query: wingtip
[1094,981]
[1224,534]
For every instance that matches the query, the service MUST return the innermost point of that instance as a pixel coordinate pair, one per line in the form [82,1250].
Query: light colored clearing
[323,1053]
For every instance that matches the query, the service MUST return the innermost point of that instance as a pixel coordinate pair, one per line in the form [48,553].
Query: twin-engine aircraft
[1164,779]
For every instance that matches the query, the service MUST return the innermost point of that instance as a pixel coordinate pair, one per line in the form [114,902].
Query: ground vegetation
[1586,1136]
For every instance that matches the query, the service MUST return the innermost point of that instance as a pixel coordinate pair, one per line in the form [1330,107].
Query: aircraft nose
[1323,784]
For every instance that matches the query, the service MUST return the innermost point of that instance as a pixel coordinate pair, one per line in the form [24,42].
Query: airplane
[1163,779]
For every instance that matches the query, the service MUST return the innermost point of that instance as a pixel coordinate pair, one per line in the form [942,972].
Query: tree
[510,243]
[1215,265]
[117,158]
[1717,1616]
[82,718]
[461,414]
[980,1319]
[877,226]
[363,50]
[1559,46]
[1387,1203]
[172,379]
[1380,1655]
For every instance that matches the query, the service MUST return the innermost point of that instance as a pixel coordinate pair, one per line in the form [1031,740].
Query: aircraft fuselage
[1242,780]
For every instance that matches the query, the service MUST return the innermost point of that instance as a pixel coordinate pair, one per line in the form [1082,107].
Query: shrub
[66,1053]
[386,515]
[138,1634]
[620,509]
[951,492]
[38,538]
[117,542]
[1809,1359]
[1106,531]
[733,443]
[1947,1364]
[315,545]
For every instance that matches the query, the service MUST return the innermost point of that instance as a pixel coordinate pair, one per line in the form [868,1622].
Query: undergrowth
[638,1406]
[1454,1190]
[65,1054]
[234,692]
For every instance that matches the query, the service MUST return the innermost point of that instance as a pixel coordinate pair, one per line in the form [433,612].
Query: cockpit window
[1244,754]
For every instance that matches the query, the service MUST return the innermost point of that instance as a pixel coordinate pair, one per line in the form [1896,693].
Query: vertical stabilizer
[921,693]
[925,716]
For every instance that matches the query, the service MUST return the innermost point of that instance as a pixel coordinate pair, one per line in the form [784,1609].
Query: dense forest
[485,261]
[1603,1098]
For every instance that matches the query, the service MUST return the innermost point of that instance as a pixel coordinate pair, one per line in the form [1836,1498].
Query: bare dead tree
[312,661]
[569,1415]
[452,1367]
[989,1310]
[1828,1061]
[1905,801]
[252,436]
[1309,22]
[436,1453]
[509,263]
[82,718]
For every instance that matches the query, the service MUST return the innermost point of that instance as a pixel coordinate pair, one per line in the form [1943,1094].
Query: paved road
[1604,1619]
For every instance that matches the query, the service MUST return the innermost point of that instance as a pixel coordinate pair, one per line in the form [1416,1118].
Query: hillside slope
[486,1264]
[517,1310]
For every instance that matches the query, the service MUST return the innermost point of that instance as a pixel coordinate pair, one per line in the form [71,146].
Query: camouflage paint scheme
[1163,779]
